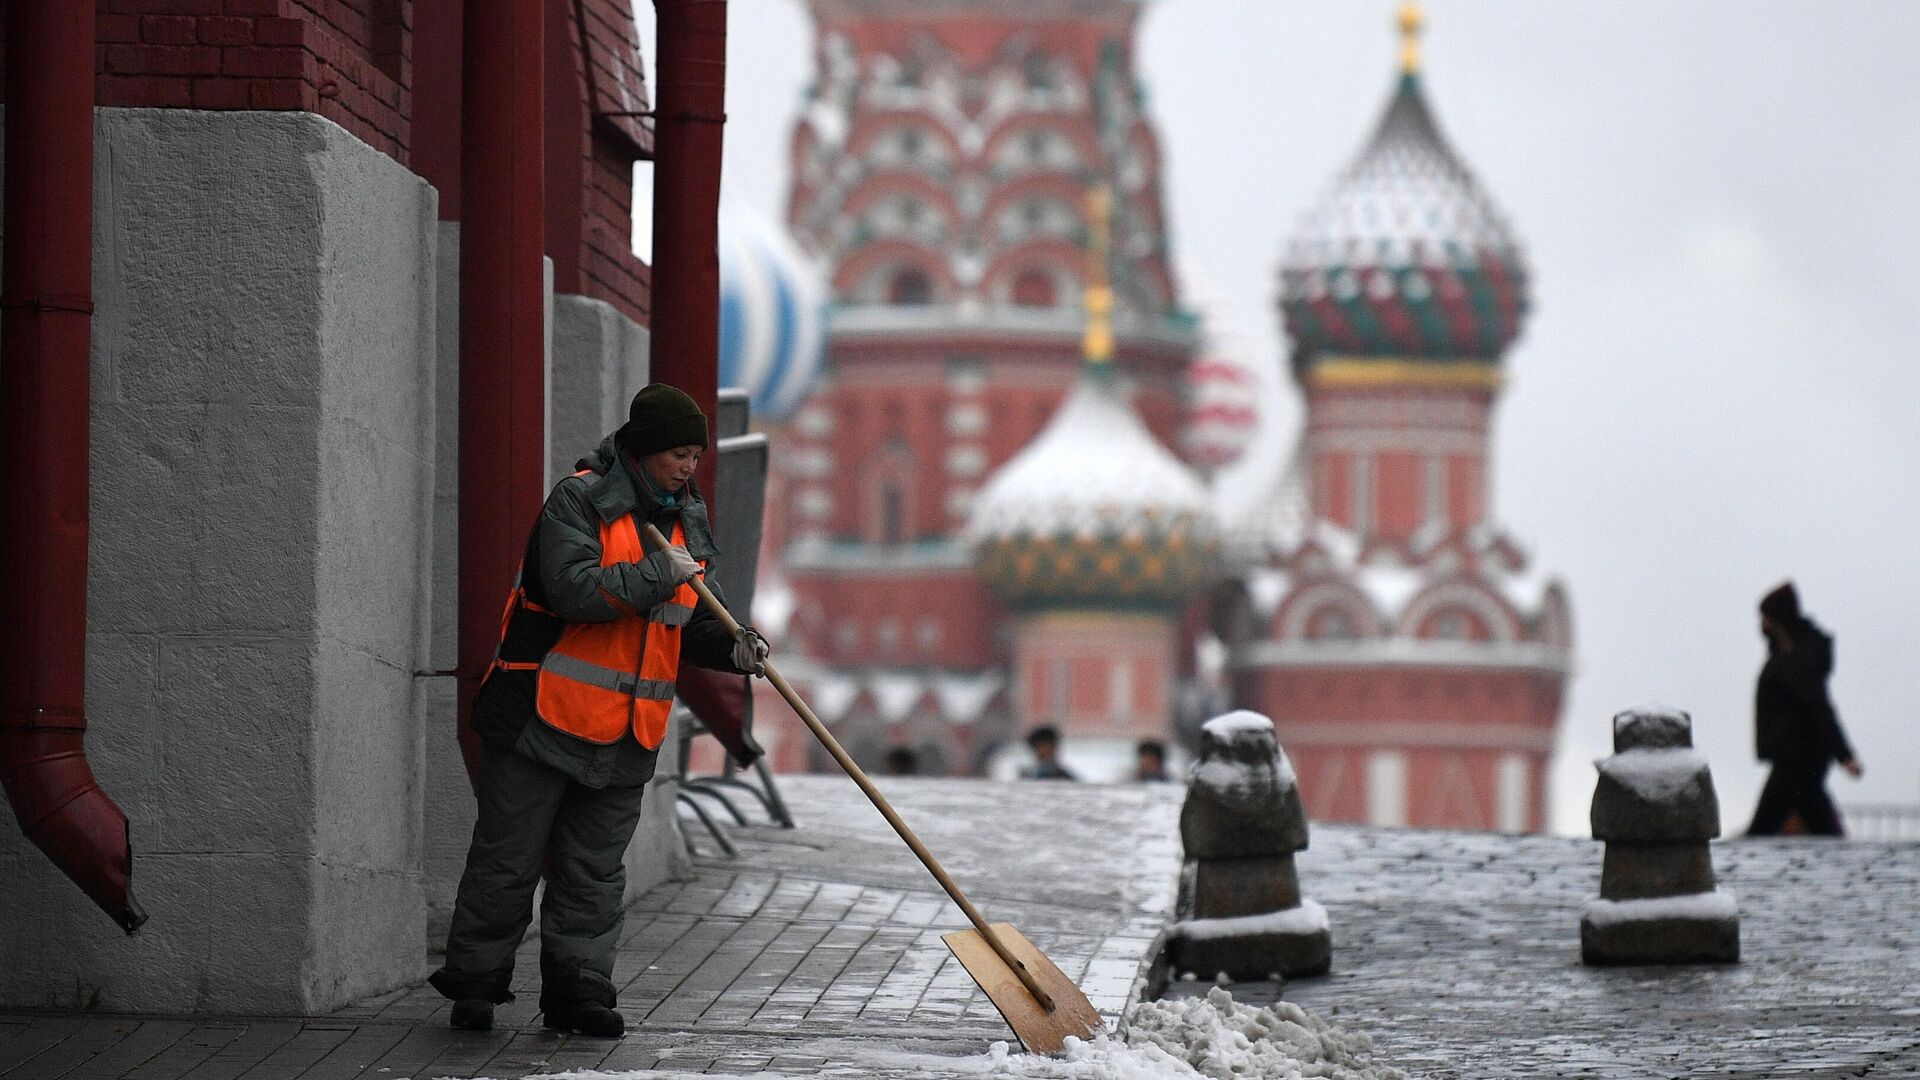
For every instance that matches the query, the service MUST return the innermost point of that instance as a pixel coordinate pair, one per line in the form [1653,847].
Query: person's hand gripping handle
[749,648]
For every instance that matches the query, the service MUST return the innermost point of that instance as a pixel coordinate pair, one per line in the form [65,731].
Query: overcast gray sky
[1720,383]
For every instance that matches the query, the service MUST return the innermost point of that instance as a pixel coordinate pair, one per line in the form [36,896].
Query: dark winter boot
[586,1018]
[471,1014]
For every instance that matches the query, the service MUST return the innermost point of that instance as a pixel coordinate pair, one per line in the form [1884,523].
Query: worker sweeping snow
[572,712]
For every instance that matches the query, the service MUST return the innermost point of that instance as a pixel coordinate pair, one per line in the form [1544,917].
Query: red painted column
[503,436]
[688,114]
[46,306]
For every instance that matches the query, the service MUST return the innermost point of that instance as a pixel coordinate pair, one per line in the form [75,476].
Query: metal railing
[1882,821]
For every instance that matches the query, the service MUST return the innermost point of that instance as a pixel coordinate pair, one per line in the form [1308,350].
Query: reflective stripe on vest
[601,680]
[623,682]
[670,614]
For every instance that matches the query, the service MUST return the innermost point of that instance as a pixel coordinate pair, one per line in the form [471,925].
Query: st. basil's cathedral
[992,509]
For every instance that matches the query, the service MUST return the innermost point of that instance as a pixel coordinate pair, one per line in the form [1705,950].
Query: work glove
[750,651]
[680,567]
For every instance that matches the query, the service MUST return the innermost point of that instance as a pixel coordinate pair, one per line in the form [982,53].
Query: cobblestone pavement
[817,952]
[1460,955]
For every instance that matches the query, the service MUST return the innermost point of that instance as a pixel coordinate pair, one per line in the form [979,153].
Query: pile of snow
[1213,1037]
[1210,1038]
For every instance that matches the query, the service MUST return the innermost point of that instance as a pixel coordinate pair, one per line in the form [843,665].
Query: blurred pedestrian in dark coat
[1150,762]
[1795,726]
[1045,743]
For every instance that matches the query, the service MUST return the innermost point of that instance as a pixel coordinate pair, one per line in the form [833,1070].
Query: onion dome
[1222,395]
[773,313]
[1407,256]
[1094,513]
[1222,413]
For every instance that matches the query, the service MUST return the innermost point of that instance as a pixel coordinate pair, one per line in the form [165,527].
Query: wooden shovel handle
[879,801]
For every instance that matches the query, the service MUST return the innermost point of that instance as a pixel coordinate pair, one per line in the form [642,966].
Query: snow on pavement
[1210,1038]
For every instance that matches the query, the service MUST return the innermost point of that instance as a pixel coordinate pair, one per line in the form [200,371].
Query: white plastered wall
[261,455]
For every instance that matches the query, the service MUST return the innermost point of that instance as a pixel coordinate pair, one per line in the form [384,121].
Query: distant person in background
[1151,764]
[901,762]
[1795,727]
[1045,743]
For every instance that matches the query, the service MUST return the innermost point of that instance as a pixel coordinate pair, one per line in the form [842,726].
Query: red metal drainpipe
[503,436]
[434,149]
[689,112]
[46,306]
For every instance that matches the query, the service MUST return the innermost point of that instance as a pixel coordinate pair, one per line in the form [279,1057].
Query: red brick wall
[347,60]
[594,89]
[351,61]
[609,270]
[929,619]
[1330,719]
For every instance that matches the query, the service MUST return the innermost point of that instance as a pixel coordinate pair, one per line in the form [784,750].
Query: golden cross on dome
[1411,20]
[1097,344]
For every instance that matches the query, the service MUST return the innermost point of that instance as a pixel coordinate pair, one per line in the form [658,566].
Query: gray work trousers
[533,815]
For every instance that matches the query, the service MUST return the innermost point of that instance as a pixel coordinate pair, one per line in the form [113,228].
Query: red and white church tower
[940,171]
[1411,658]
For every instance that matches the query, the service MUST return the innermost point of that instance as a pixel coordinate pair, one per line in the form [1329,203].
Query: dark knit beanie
[1782,604]
[662,418]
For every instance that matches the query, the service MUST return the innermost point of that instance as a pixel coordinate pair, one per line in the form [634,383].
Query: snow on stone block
[1242,799]
[1700,928]
[1238,724]
[1652,727]
[1655,775]
[1294,941]
[1663,794]
[1706,905]
[1307,918]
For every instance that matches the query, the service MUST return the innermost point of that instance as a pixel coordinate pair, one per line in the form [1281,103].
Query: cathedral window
[1034,288]
[1039,72]
[892,514]
[1332,624]
[910,286]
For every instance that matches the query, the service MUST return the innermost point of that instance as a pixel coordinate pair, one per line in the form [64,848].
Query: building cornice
[1398,652]
[1062,325]
[820,555]
[1413,735]
[1368,372]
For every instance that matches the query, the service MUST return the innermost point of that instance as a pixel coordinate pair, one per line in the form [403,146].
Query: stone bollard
[1655,808]
[1240,906]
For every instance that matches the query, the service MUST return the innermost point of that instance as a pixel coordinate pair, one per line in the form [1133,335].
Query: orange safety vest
[600,680]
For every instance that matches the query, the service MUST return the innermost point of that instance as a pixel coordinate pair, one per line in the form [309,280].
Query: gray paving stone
[819,948]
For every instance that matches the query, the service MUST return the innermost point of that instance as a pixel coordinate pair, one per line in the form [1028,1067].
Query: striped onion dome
[773,313]
[1406,256]
[1094,513]
[1223,410]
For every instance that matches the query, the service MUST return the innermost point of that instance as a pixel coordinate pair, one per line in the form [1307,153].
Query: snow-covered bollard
[1655,808]
[1240,905]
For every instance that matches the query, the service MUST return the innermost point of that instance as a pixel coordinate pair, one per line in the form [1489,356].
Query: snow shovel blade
[1040,1031]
